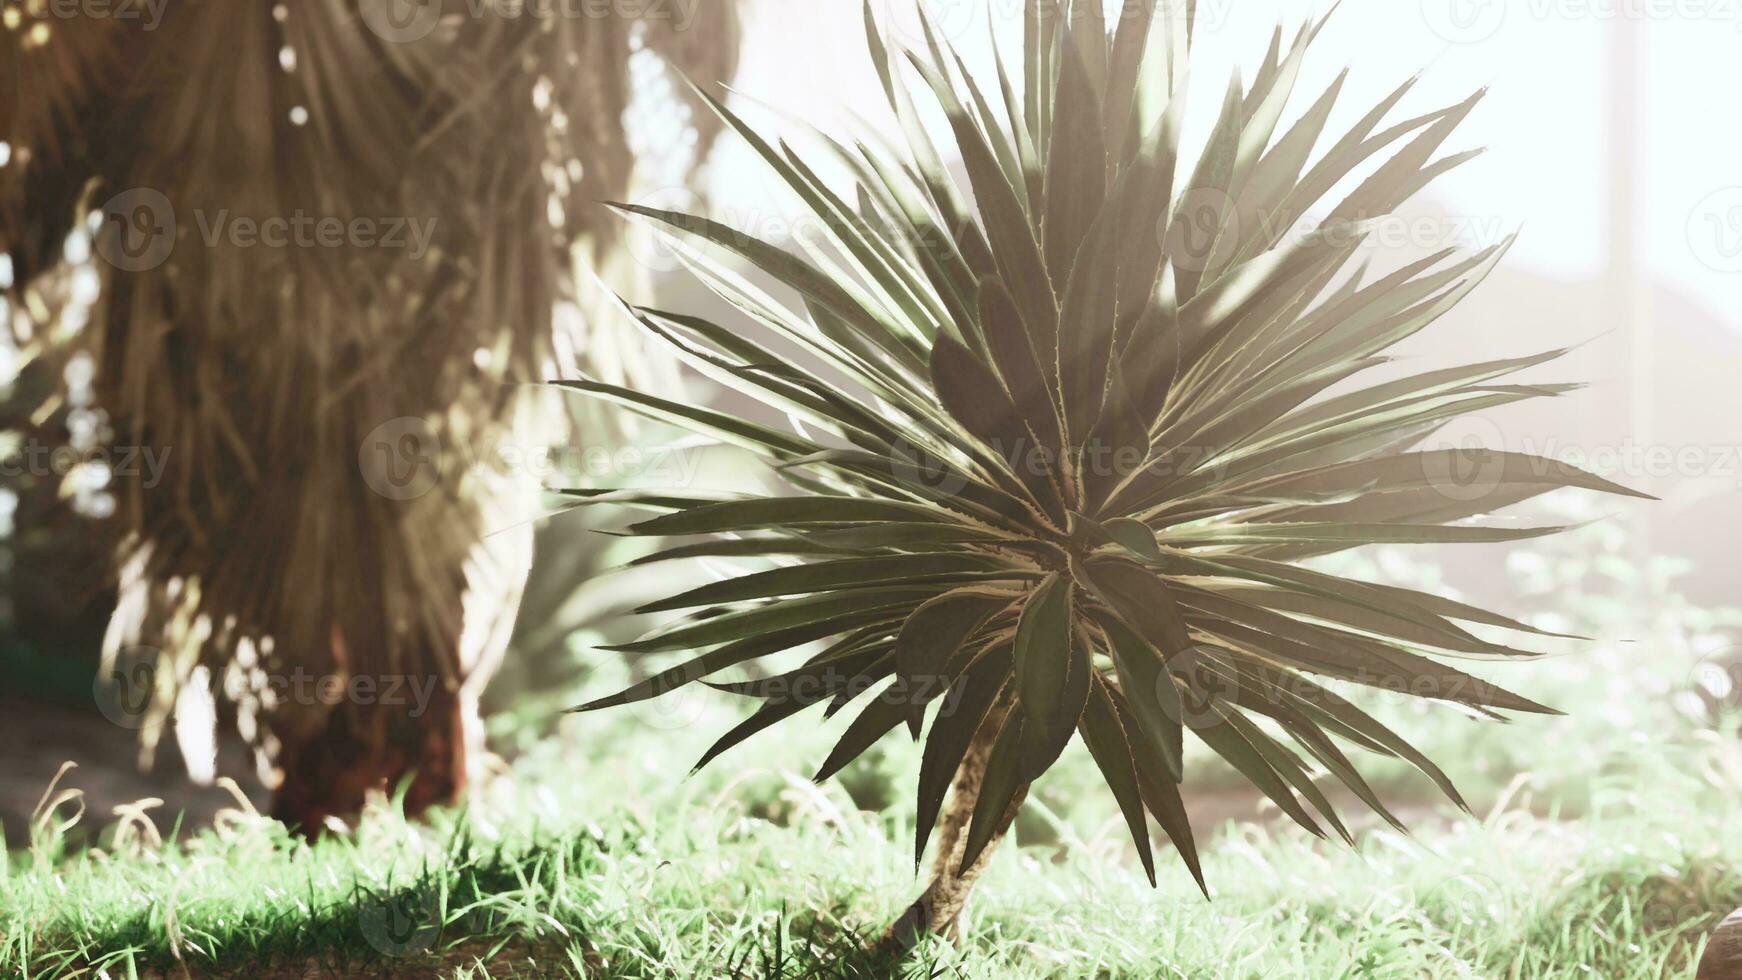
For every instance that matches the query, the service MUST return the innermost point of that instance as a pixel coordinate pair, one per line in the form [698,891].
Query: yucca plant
[1055,455]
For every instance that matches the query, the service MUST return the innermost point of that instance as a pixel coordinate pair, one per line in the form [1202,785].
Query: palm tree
[335,232]
[1058,453]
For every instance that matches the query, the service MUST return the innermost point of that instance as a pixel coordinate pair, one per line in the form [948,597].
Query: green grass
[1606,846]
[778,879]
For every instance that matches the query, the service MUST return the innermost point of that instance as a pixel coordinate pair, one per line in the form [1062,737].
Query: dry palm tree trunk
[275,560]
[938,910]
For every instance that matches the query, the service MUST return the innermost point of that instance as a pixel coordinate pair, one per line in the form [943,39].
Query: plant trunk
[421,722]
[373,749]
[1723,959]
[938,910]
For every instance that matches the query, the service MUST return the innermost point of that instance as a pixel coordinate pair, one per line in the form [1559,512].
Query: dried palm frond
[265,372]
[1057,453]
